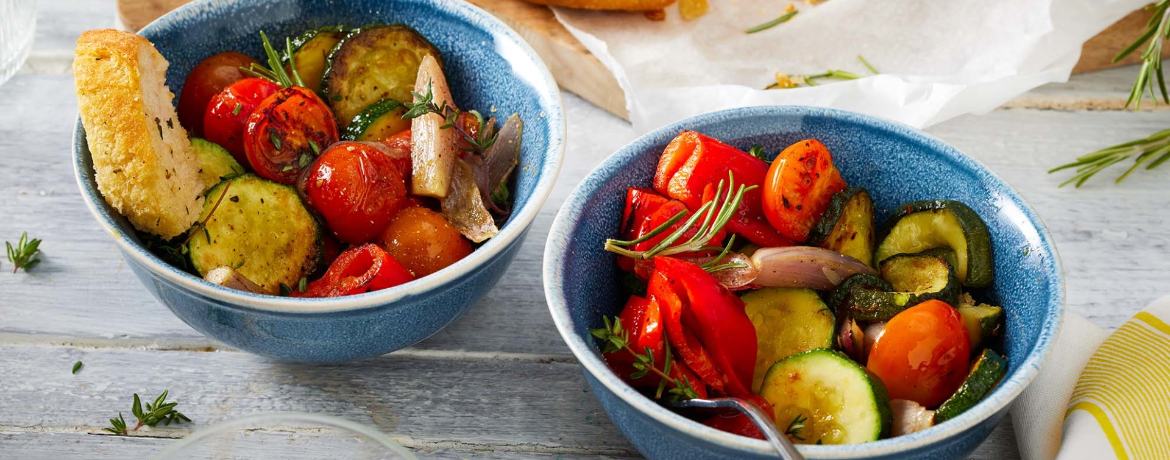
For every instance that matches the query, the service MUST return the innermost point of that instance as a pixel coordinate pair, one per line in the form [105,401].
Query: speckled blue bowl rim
[569,217]
[517,225]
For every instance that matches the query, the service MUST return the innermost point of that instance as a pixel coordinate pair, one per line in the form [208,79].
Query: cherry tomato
[922,353]
[798,188]
[207,79]
[423,241]
[356,187]
[398,147]
[228,112]
[359,269]
[286,132]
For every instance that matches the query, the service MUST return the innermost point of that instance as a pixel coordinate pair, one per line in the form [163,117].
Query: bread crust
[623,5]
[142,158]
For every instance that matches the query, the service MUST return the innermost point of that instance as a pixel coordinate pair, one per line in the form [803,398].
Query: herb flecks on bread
[142,158]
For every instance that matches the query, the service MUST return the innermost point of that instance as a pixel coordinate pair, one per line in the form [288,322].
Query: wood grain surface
[467,391]
[579,72]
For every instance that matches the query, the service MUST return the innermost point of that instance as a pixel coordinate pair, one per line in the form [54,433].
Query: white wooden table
[466,392]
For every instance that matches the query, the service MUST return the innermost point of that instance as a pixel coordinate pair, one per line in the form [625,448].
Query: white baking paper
[937,58]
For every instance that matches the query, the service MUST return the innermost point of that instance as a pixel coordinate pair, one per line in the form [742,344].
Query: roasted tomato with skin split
[356,187]
[921,354]
[286,132]
[207,79]
[228,112]
[799,186]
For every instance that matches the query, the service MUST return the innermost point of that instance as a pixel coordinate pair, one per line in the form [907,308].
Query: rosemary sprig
[866,64]
[201,226]
[773,23]
[423,104]
[714,218]
[24,255]
[153,413]
[795,426]
[785,81]
[1155,149]
[275,71]
[616,339]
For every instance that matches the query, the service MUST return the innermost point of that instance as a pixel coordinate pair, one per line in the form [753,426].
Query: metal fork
[779,441]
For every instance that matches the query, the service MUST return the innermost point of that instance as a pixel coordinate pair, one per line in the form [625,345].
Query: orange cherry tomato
[286,132]
[207,79]
[356,188]
[922,353]
[423,241]
[228,113]
[798,188]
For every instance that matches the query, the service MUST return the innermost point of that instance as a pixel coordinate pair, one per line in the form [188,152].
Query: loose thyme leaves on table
[153,413]
[76,367]
[1155,149]
[24,255]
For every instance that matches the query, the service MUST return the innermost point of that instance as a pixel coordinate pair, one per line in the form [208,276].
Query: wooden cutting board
[579,72]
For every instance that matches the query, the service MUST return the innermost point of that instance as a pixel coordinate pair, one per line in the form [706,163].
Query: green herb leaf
[272,137]
[302,285]
[236,111]
[24,254]
[866,64]
[773,23]
[795,426]
[76,367]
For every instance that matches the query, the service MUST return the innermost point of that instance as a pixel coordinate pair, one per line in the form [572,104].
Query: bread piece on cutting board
[142,158]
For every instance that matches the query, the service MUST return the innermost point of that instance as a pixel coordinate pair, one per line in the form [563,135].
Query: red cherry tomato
[228,113]
[398,147]
[207,79]
[286,132]
[360,269]
[356,187]
[922,353]
[798,188]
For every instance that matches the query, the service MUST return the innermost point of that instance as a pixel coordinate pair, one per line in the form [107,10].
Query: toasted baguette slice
[141,155]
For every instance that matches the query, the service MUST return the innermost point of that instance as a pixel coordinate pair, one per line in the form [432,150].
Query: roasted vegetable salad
[771,281]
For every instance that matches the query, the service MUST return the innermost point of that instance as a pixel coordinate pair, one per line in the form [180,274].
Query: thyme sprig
[616,338]
[1151,151]
[773,23]
[714,218]
[796,426]
[483,138]
[153,413]
[24,254]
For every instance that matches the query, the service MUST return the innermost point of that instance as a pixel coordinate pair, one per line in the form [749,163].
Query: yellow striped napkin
[1120,407]
[1101,396]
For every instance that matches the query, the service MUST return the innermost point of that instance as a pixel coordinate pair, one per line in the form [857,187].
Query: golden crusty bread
[141,155]
[626,5]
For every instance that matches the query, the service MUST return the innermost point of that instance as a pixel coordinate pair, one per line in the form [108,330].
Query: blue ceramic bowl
[488,66]
[897,164]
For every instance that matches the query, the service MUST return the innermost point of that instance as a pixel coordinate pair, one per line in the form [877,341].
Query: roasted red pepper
[642,321]
[706,324]
[692,162]
[640,202]
[737,423]
[360,269]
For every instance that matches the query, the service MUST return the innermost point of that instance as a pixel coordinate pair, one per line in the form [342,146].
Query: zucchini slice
[983,321]
[925,276]
[377,122]
[922,225]
[788,321]
[984,376]
[373,64]
[844,404]
[311,52]
[214,162]
[869,298]
[261,229]
[847,226]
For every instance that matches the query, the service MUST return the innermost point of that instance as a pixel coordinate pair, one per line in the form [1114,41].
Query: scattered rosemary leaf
[76,367]
[773,23]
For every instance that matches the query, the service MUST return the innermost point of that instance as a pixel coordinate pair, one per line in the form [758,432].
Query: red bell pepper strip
[359,269]
[693,161]
[645,211]
[640,203]
[694,301]
[642,321]
[737,423]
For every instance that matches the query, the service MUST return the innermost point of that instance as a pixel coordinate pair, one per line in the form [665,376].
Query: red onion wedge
[805,266]
[909,417]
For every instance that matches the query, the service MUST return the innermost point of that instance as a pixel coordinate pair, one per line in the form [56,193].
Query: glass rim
[268,418]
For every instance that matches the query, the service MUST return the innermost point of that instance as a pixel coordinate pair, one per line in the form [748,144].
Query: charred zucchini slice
[372,64]
[842,402]
[910,280]
[261,229]
[311,52]
[922,225]
[988,369]
[214,162]
[787,321]
[377,122]
[847,226]
[984,322]
[925,276]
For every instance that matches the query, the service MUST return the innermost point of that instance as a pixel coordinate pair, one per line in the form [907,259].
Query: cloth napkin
[1101,396]
[937,59]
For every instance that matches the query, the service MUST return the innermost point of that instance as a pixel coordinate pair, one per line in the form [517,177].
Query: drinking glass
[18,21]
[286,436]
